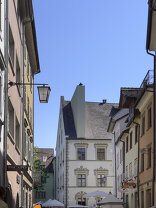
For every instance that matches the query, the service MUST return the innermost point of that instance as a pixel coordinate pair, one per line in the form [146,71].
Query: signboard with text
[128,184]
[17,168]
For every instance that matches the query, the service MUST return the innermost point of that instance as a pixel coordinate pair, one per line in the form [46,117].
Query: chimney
[104,101]
[78,108]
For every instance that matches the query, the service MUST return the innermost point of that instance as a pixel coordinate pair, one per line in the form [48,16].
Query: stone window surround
[79,195]
[100,171]
[81,145]
[81,170]
[101,145]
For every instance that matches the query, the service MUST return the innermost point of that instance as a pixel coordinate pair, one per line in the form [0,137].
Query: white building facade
[83,149]
[117,126]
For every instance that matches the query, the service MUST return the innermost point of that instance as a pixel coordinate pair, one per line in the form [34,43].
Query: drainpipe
[154,129]
[123,155]
[66,205]
[115,165]
[6,55]
[138,163]
[23,106]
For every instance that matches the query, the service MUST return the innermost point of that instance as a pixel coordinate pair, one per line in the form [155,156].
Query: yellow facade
[146,149]
[28,126]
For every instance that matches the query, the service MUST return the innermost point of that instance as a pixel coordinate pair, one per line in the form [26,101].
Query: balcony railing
[149,79]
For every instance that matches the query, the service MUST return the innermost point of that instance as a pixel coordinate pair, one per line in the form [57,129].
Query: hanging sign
[17,168]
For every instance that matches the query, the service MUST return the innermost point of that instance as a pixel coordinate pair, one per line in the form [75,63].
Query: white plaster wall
[60,161]
[91,150]
[119,169]
[90,164]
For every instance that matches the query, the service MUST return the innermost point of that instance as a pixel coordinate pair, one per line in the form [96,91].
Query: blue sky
[100,43]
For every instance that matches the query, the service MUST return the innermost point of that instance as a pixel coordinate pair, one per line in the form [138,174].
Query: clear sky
[100,43]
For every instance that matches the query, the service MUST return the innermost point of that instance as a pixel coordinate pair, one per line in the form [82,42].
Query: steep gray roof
[68,119]
[97,120]
[97,116]
[49,153]
[122,112]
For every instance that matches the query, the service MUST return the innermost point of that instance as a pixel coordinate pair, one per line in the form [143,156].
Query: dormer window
[44,158]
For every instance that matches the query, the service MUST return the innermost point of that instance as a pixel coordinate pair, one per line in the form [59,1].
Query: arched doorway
[80,199]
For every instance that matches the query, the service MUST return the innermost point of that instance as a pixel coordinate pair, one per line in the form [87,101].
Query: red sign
[128,184]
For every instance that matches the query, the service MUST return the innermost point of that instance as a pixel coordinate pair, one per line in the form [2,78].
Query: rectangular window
[130,171]
[136,133]
[101,180]
[142,199]
[17,134]
[127,204]
[135,167]
[148,198]
[142,161]
[11,119]
[127,144]
[45,158]
[40,195]
[28,64]
[131,140]
[121,155]
[11,46]
[143,124]
[24,144]
[117,160]
[81,180]
[81,153]
[149,117]
[17,71]
[100,154]
[148,157]
[126,176]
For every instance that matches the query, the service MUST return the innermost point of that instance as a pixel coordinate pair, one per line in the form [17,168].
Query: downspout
[23,107]
[66,205]
[115,165]
[154,129]
[123,155]
[138,163]
[6,55]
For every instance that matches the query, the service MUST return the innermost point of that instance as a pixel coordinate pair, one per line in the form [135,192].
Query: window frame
[81,155]
[81,180]
[99,153]
[143,124]
[149,117]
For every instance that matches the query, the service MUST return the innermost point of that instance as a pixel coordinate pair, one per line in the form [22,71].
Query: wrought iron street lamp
[43,90]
